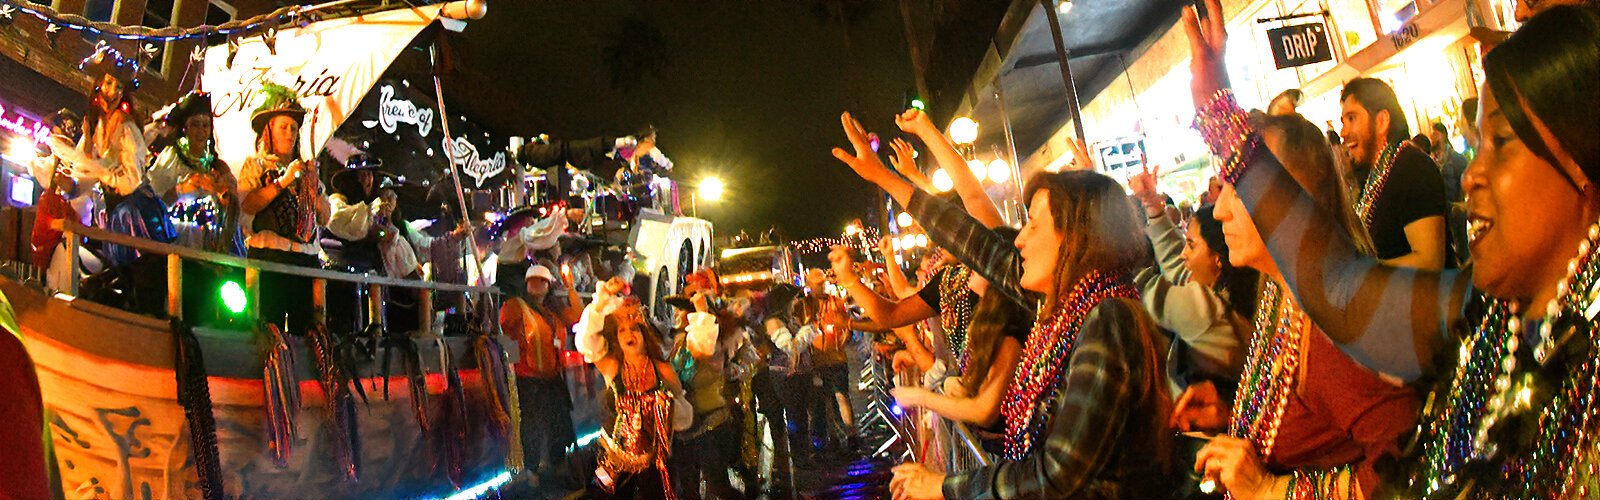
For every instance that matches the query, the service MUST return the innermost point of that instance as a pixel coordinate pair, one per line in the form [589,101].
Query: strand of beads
[955,308]
[1045,357]
[1376,180]
[1271,367]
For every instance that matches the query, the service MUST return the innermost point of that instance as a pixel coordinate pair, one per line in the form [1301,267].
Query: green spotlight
[233,297]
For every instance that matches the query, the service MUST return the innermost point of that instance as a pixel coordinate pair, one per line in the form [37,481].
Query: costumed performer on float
[63,198]
[199,186]
[282,206]
[646,401]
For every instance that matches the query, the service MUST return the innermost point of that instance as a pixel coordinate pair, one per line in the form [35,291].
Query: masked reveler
[281,206]
[198,186]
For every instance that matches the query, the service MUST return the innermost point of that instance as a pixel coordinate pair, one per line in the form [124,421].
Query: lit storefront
[1424,49]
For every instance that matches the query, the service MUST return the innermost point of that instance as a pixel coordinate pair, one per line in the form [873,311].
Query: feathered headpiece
[276,100]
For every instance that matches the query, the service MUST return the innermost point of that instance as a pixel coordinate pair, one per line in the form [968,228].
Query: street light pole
[1066,69]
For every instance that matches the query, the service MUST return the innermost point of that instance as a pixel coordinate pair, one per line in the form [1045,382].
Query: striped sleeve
[980,248]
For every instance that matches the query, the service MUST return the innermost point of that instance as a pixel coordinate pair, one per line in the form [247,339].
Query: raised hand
[843,264]
[1208,38]
[614,286]
[916,122]
[1143,185]
[1080,155]
[865,161]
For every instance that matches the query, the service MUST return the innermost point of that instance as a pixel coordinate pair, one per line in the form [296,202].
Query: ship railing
[253,268]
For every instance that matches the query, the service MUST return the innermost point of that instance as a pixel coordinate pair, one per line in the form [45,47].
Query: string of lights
[291,15]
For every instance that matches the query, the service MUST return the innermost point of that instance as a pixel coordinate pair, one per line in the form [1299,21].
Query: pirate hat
[191,104]
[276,100]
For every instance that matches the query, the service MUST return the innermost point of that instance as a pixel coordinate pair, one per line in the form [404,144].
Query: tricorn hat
[276,100]
[191,104]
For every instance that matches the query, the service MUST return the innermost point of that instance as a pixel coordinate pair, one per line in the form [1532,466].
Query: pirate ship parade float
[200,398]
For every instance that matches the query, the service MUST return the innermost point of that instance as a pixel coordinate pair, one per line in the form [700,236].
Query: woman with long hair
[1196,293]
[1306,416]
[994,340]
[112,147]
[1086,413]
[616,337]
[1513,413]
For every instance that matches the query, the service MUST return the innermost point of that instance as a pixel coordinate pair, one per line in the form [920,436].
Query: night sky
[748,91]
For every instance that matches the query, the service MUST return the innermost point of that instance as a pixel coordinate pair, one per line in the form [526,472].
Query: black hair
[1439,127]
[1547,69]
[1334,139]
[1469,109]
[1238,283]
[1375,96]
[1422,141]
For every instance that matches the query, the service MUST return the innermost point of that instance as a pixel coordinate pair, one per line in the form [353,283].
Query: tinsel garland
[1030,399]
[454,434]
[418,382]
[282,388]
[338,402]
[642,402]
[194,394]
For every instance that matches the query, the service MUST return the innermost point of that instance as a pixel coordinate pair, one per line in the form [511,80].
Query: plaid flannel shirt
[1104,428]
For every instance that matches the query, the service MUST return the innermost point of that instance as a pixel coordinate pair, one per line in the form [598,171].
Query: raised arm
[1163,234]
[983,408]
[1390,320]
[977,202]
[589,341]
[985,251]
[969,240]
[901,286]
[884,312]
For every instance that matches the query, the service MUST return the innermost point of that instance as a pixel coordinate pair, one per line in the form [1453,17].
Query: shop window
[99,10]
[158,14]
[216,14]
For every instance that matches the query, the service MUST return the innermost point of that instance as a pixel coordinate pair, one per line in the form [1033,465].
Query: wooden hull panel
[119,432]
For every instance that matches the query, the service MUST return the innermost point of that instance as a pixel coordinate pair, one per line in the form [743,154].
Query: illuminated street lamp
[710,188]
[942,181]
[999,171]
[963,130]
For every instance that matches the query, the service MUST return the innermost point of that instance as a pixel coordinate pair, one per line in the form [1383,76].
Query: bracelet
[1227,130]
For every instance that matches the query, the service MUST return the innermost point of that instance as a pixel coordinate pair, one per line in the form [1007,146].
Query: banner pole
[449,150]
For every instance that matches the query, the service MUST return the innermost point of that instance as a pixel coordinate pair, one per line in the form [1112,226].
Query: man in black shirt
[1401,199]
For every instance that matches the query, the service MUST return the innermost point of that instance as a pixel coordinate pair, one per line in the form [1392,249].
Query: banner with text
[400,124]
[332,65]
